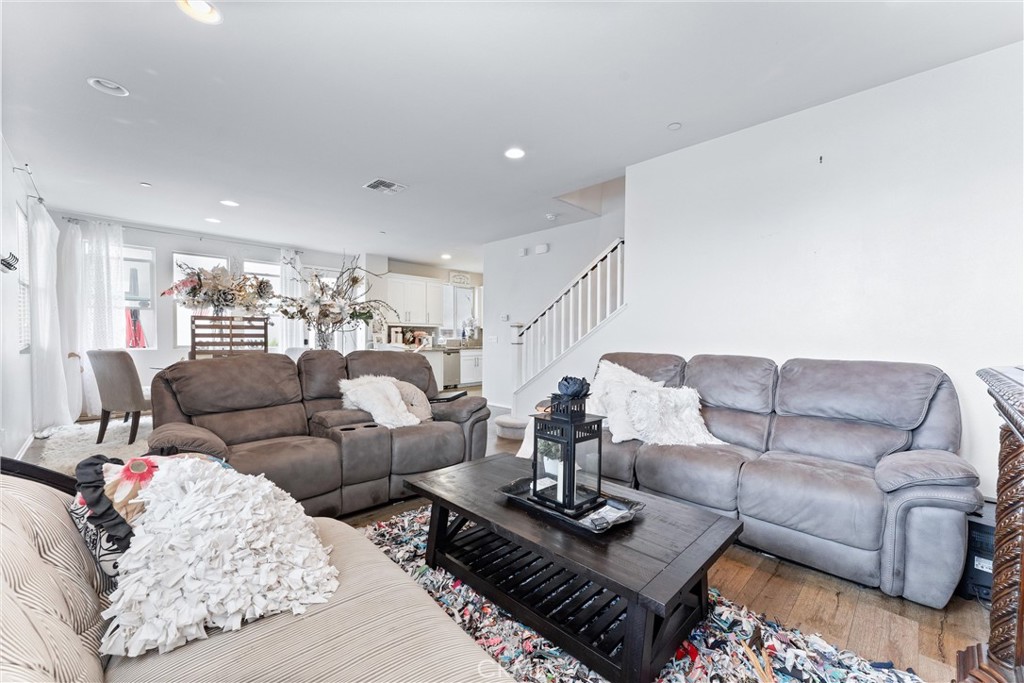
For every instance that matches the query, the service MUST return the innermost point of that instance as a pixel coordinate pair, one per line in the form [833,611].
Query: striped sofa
[378,626]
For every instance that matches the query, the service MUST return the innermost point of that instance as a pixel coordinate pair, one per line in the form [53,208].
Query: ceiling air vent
[384,186]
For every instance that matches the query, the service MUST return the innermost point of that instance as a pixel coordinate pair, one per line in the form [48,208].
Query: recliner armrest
[188,438]
[327,419]
[458,410]
[924,468]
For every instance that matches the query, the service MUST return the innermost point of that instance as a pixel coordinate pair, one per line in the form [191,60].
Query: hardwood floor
[864,620]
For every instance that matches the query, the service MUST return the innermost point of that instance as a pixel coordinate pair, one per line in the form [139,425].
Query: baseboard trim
[24,447]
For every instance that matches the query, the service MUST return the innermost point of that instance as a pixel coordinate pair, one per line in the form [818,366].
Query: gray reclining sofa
[264,413]
[850,467]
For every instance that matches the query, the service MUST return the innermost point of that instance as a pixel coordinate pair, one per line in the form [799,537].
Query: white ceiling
[289,108]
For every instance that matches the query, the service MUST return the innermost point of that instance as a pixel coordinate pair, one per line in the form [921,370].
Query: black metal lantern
[559,437]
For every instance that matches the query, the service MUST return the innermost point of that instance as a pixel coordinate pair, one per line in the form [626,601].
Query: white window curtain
[69,303]
[49,389]
[293,332]
[102,304]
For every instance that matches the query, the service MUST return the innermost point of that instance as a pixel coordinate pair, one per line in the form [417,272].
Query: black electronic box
[981,545]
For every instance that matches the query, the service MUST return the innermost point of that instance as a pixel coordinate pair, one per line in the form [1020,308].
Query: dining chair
[120,389]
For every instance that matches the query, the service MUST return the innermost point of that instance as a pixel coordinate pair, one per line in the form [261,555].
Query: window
[271,272]
[139,308]
[182,315]
[24,307]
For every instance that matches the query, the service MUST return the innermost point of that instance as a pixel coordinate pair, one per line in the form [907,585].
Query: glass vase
[324,339]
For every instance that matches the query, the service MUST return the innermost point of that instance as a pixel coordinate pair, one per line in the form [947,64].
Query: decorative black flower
[574,387]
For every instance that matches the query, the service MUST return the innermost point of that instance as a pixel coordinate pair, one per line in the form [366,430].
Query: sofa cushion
[830,499]
[427,446]
[738,382]
[886,393]
[241,426]
[354,636]
[409,367]
[861,443]
[304,466]
[658,367]
[51,591]
[705,475]
[319,372]
[739,427]
[617,459]
[218,385]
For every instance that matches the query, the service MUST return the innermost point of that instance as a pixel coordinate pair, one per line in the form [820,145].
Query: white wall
[904,243]
[165,242]
[521,286]
[15,368]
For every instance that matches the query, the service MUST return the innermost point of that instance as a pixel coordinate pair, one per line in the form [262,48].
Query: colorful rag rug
[729,646]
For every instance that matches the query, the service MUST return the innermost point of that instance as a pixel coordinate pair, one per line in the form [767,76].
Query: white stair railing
[588,301]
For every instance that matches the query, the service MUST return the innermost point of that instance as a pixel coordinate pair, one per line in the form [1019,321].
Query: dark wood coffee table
[621,602]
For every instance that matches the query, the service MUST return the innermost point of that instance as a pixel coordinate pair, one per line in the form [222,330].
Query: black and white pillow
[100,545]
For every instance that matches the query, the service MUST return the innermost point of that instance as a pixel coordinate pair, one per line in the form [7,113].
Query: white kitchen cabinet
[436,359]
[435,303]
[471,365]
[409,298]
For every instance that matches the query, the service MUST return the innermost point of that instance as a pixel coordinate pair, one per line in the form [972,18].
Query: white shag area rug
[71,444]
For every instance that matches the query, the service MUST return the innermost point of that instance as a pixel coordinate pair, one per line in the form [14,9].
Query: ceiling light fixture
[145,185]
[514,153]
[213,220]
[203,12]
[675,125]
[107,86]
[228,202]
[446,257]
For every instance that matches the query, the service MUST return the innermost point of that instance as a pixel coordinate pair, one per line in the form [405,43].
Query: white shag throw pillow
[215,548]
[609,374]
[617,419]
[378,396]
[668,416]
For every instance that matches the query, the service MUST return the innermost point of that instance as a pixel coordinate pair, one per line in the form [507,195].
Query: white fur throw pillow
[212,548]
[378,396]
[609,374]
[615,399]
[668,416]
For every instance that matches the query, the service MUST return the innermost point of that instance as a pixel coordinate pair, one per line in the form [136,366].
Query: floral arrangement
[330,304]
[217,289]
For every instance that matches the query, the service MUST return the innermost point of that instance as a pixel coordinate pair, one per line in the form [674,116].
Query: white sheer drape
[49,390]
[69,305]
[102,322]
[293,332]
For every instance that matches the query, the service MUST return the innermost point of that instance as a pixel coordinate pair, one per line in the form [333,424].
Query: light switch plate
[504,317]
[541,249]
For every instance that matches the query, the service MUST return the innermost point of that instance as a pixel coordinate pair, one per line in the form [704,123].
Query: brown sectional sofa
[264,413]
[850,467]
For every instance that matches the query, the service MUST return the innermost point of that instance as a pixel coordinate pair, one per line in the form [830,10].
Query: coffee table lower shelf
[619,638]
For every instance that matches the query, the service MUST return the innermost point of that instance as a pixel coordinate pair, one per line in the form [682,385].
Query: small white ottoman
[511,427]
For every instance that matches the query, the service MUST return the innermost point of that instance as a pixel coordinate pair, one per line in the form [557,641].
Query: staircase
[591,299]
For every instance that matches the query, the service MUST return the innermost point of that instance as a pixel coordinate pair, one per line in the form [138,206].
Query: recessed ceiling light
[228,202]
[675,125]
[446,256]
[145,185]
[108,87]
[203,12]
[213,220]
[514,153]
